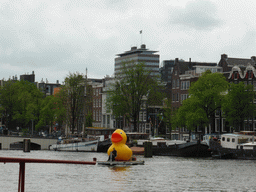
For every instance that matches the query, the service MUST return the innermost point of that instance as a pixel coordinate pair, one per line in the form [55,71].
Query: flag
[140,31]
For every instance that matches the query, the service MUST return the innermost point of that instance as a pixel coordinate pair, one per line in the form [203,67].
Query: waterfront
[158,174]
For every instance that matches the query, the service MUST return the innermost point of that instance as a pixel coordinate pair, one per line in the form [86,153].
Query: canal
[158,174]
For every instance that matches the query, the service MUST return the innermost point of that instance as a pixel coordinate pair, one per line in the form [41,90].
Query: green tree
[205,97]
[131,85]
[238,104]
[72,96]
[17,100]
[52,112]
[8,102]
[27,98]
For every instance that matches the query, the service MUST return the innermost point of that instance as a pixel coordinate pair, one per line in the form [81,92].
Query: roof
[238,61]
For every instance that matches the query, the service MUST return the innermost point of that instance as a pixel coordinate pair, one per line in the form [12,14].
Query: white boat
[238,146]
[76,145]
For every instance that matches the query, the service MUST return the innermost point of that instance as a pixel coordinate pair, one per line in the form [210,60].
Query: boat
[120,163]
[234,146]
[104,145]
[162,147]
[77,144]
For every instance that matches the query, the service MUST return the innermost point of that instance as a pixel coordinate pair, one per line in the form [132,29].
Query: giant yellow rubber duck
[119,138]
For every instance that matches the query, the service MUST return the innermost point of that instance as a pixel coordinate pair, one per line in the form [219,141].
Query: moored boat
[234,146]
[81,145]
[162,147]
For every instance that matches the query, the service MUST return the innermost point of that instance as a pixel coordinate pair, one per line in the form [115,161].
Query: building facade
[136,55]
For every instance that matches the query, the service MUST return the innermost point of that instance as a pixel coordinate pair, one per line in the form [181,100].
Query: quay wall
[43,142]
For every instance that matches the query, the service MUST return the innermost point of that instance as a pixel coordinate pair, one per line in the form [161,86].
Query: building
[136,55]
[108,120]
[238,70]
[184,73]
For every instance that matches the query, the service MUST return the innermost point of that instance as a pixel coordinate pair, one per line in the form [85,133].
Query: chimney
[176,60]
[57,82]
[253,58]
[133,48]
[143,46]
[224,56]
[189,60]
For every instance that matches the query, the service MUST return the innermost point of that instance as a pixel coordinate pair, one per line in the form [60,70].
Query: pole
[32,126]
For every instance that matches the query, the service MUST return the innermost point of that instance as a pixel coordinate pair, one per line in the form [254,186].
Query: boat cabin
[101,132]
[232,141]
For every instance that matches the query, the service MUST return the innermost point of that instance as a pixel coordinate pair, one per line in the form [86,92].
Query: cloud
[199,15]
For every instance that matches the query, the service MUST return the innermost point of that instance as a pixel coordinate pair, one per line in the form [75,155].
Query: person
[112,155]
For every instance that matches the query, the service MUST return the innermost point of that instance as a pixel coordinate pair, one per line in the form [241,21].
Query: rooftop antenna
[86,73]
[141,36]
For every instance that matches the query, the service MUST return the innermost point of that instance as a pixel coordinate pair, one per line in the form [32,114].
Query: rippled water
[158,174]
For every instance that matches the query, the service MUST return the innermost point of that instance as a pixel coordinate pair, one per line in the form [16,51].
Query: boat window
[223,138]
[233,140]
[228,139]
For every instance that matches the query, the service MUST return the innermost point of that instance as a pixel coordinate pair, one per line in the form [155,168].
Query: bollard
[148,150]
[26,145]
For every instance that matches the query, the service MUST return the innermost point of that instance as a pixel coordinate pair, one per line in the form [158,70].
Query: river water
[158,174]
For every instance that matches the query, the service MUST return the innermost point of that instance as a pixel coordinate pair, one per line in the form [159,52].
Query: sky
[56,37]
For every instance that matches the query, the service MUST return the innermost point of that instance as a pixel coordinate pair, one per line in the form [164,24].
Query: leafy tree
[238,104]
[131,85]
[205,97]
[50,112]
[72,97]
[8,102]
[89,120]
[27,96]
[17,101]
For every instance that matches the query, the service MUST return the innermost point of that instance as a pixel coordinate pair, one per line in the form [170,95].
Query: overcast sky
[55,37]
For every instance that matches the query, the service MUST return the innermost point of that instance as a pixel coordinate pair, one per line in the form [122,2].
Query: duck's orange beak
[116,137]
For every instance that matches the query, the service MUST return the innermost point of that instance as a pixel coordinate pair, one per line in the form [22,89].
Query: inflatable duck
[118,138]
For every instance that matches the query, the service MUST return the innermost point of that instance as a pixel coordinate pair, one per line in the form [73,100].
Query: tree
[17,99]
[8,102]
[72,96]
[205,97]
[52,112]
[238,104]
[131,85]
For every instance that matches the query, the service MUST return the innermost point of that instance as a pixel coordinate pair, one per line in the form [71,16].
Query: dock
[120,163]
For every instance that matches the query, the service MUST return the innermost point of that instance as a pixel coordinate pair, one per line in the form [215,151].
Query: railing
[22,161]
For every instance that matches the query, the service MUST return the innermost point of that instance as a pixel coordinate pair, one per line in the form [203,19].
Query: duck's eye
[121,133]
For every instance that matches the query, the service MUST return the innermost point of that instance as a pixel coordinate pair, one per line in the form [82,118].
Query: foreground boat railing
[22,161]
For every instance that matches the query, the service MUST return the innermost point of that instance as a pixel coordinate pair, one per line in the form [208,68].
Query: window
[182,85]
[223,138]
[108,119]
[173,97]
[228,139]
[233,140]
[178,83]
[173,84]
[188,84]
[140,116]
[104,119]
[177,97]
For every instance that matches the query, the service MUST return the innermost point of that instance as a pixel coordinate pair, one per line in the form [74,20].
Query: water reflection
[119,168]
